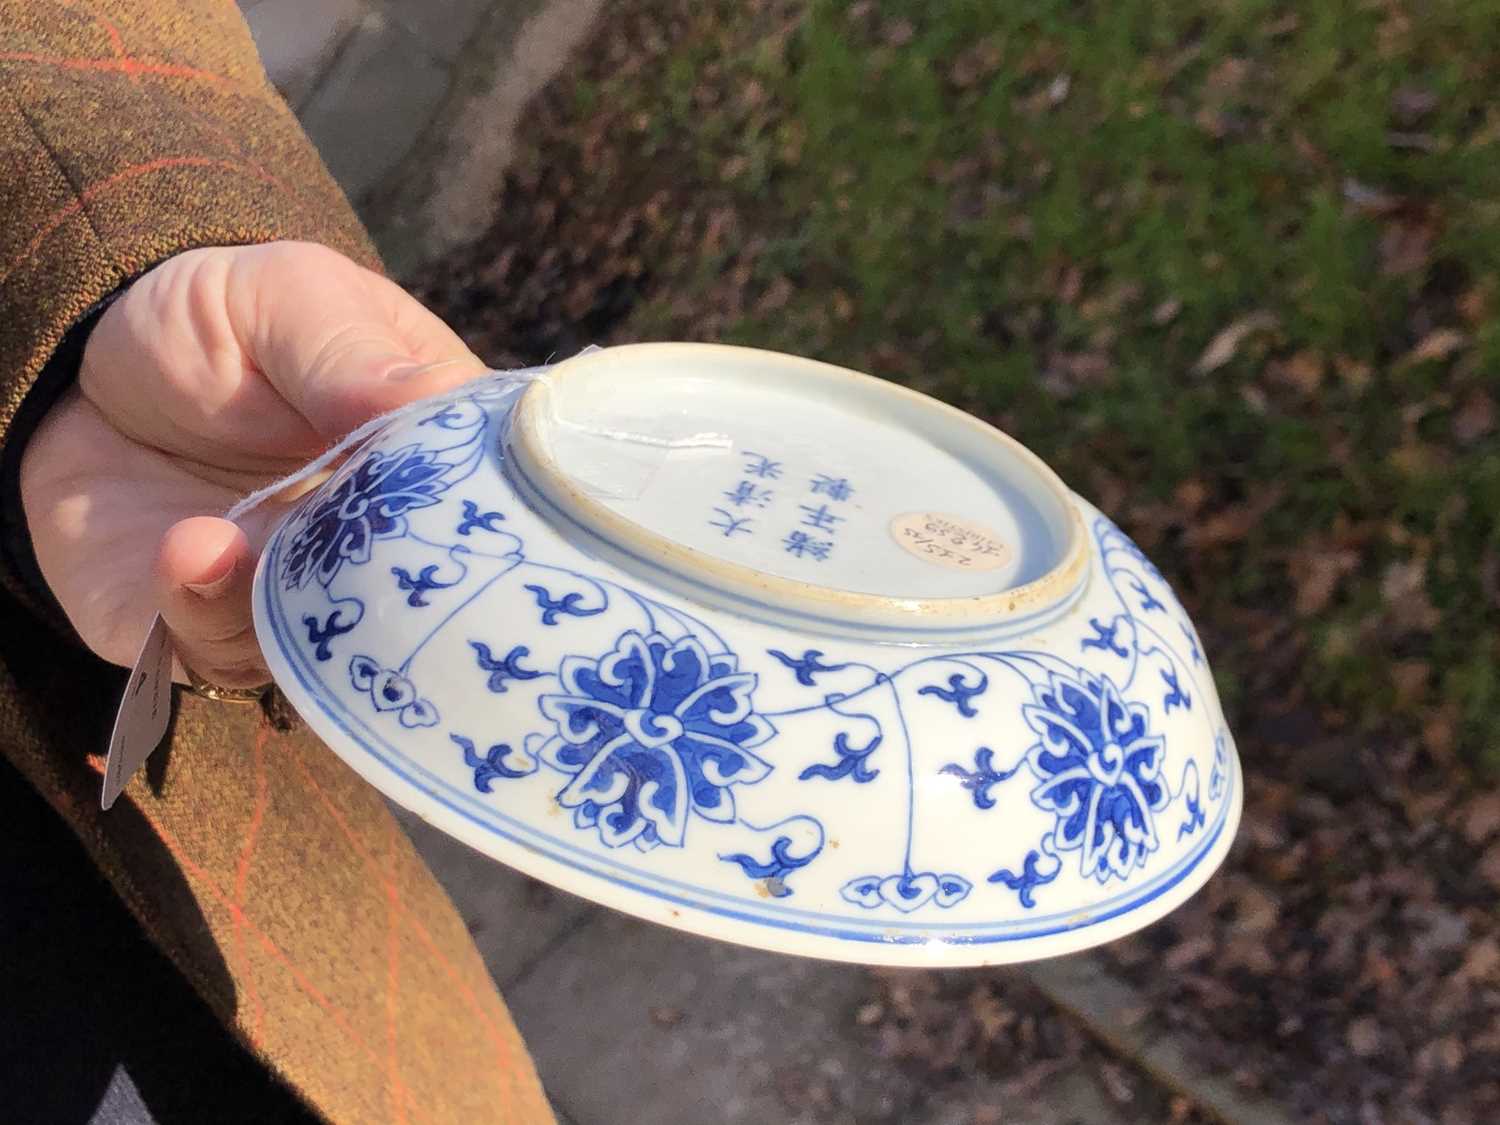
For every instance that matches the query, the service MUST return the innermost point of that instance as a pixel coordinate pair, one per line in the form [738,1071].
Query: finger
[204,572]
[340,343]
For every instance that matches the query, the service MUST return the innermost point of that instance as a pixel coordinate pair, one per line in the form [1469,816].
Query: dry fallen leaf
[1302,371]
[1186,953]
[1475,417]
[777,294]
[1480,962]
[1413,142]
[1410,679]
[1436,345]
[1473,304]
[1316,574]
[1233,523]
[1257,911]
[898,33]
[1409,104]
[1481,817]
[1222,348]
[1363,1036]
[1405,247]
[1166,312]
[1282,25]
[1489,865]
[1224,80]
[1355,373]
[1404,588]
[1369,200]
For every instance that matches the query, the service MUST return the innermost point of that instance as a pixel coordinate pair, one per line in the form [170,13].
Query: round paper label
[949,541]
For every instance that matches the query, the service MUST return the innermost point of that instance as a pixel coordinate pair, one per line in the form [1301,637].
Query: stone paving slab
[297,39]
[1098,1000]
[442,26]
[374,101]
[446,192]
[632,1022]
[629,1021]
[1070,1097]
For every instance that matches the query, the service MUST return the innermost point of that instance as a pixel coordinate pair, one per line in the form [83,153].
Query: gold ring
[199,686]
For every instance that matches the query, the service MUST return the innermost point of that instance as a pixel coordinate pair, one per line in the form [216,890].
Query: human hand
[214,374]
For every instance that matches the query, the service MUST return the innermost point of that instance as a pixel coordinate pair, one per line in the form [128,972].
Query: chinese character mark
[819,517]
[835,488]
[803,545]
[748,492]
[759,465]
[729,523]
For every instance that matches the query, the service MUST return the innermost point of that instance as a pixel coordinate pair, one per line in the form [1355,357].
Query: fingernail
[214,587]
[412,370]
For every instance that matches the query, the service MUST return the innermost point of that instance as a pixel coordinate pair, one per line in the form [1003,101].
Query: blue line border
[875,930]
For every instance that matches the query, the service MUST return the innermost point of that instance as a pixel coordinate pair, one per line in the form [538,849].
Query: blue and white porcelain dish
[761,649]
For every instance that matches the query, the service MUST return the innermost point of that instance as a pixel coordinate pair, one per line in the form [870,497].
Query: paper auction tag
[144,713]
[949,541]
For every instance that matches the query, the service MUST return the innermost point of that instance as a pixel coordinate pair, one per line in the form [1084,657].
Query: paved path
[632,1022]
[365,76]
[414,104]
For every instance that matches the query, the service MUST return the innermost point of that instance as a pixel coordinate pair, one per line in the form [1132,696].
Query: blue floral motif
[369,504]
[321,634]
[650,731]
[1219,772]
[390,691]
[852,762]
[1105,638]
[499,761]
[906,891]
[1196,817]
[1149,601]
[798,841]
[473,517]
[982,778]
[450,418]
[959,692]
[551,607]
[1032,876]
[503,668]
[774,870]
[1176,696]
[424,583]
[1099,772]
[1193,648]
[806,666]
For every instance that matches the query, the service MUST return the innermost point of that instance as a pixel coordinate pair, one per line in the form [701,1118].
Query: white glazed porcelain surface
[761,649]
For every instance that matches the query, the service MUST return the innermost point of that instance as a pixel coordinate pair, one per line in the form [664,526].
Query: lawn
[1231,268]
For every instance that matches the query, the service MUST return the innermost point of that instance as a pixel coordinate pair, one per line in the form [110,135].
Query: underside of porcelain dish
[762,649]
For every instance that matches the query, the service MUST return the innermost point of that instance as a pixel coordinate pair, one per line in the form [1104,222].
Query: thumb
[361,377]
[339,342]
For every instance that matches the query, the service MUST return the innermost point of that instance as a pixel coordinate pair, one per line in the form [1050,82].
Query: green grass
[991,201]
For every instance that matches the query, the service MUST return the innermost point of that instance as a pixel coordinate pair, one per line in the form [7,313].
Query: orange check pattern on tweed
[275,879]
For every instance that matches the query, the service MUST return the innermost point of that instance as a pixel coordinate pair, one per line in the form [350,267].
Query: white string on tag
[145,708]
[360,433]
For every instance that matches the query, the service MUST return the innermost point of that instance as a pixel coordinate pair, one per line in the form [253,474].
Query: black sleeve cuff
[16,552]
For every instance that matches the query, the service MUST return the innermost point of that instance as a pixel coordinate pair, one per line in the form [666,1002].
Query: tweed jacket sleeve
[130,132]
[276,881]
